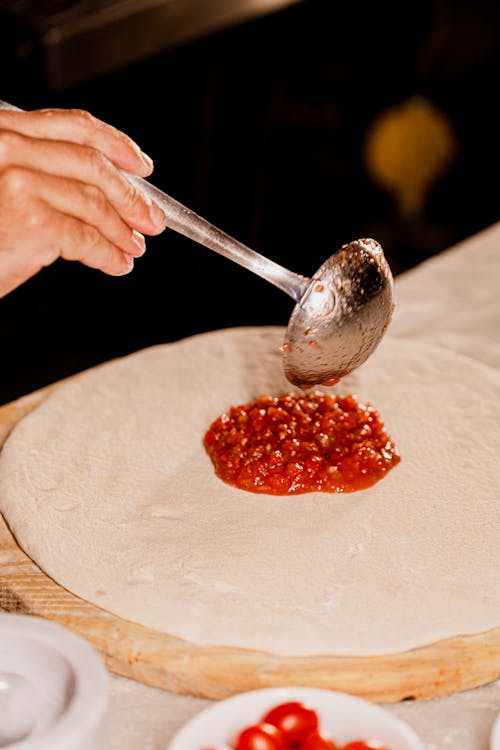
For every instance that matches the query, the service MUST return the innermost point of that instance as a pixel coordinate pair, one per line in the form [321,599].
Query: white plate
[53,687]
[343,717]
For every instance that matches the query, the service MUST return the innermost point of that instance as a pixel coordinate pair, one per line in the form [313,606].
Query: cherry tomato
[260,737]
[316,741]
[365,745]
[295,720]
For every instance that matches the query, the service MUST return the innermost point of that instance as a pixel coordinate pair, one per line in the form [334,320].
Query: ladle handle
[186,222]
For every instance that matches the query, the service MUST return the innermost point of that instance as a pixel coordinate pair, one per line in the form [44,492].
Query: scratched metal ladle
[341,313]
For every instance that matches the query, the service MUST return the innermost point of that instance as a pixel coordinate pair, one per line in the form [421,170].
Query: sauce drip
[297,443]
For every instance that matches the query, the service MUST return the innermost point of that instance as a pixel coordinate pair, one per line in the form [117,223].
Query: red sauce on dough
[299,443]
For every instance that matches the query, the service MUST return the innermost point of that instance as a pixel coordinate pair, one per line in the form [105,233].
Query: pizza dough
[106,485]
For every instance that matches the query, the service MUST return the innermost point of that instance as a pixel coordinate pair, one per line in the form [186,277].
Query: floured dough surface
[107,486]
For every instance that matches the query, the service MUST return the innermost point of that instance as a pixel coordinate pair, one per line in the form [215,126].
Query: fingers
[83,242]
[88,166]
[73,240]
[78,126]
[43,217]
[83,202]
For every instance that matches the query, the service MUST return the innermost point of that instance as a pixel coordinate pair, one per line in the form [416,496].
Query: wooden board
[163,661]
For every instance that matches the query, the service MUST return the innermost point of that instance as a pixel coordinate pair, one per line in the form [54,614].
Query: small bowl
[344,718]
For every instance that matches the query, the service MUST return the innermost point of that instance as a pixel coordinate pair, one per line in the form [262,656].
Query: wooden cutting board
[163,661]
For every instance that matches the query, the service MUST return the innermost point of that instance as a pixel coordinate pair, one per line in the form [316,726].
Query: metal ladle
[341,313]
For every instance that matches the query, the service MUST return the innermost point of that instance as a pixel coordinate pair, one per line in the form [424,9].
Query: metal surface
[342,317]
[342,312]
[186,222]
[69,43]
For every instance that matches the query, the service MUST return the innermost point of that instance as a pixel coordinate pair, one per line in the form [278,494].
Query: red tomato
[260,737]
[365,745]
[317,741]
[295,720]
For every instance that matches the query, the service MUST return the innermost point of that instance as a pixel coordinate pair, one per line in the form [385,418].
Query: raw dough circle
[106,485]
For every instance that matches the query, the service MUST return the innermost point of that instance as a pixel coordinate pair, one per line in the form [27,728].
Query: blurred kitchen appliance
[60,44]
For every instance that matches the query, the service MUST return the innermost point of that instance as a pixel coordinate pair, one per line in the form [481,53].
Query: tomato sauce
[297,443]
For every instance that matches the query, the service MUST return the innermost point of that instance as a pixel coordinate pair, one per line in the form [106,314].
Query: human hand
[62,195]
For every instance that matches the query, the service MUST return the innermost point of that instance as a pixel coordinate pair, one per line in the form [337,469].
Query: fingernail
[147,160]
[157,216]
[139,240]
[128,265]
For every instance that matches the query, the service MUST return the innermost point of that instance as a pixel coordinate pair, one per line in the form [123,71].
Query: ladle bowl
[341,317]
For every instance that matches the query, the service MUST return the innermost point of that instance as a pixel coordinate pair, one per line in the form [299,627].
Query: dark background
[260,128]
